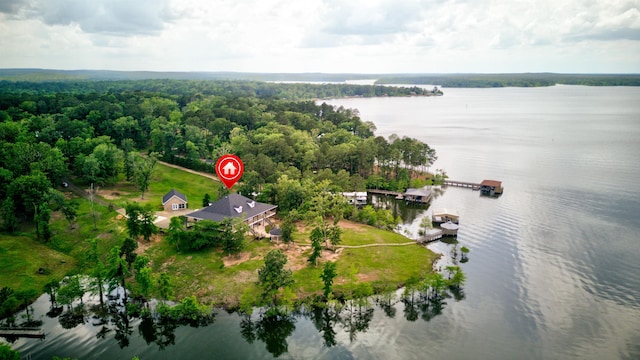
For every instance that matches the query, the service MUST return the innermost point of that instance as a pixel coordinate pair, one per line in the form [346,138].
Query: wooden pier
[22,332]
[486,187]
[473,186]
[432,236]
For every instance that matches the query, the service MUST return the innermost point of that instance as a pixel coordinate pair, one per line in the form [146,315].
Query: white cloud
[322,35]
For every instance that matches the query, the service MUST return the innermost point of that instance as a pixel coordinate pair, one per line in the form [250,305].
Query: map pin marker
[229,169]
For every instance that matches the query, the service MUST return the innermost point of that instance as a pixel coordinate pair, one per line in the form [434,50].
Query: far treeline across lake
[460,80]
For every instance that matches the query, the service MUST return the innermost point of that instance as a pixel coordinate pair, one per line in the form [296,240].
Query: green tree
[98,272]
[41,217]
[133,211]
[233,235]
[465,251]
[10,221]
[128,250]
[117,270]
[71,290]
[147,225]
[140,220]
[143,170]
[316,245]
[288,227]
[206,200]
[328,274]
[273,276]
[176,233]
[52,288]
[6,353]
[143,275]
[164,287]
[335,236]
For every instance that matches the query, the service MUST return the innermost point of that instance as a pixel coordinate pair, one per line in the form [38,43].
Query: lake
[553,270]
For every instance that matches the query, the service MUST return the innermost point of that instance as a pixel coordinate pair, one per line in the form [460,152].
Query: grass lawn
[72,240]
[205,274]
[163,180]
[22,257]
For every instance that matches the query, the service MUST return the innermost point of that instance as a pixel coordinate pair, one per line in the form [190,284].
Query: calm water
[554,269]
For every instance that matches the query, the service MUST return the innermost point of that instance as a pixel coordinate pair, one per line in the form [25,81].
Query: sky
[328,36]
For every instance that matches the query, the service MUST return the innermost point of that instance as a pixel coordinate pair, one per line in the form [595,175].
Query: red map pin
[229,169]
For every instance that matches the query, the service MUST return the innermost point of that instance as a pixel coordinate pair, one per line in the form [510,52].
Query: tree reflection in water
[423,298]
[273,328]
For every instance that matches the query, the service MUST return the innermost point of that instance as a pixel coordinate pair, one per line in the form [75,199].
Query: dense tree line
[185,90]
[514,80]
[48,135]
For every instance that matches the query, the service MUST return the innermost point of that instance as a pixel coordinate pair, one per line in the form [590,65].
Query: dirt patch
[168,262]
[144,245]
[110,194]
[345,224]
[369,277]
[236,259]
[243,277]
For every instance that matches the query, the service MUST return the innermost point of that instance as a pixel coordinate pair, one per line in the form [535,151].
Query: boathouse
[419,196]
[491,187]
[440,216]
[357,198]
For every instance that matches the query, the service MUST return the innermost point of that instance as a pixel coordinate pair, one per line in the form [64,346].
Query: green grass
[201,273]
[163,180]
[72,240]
[22,257]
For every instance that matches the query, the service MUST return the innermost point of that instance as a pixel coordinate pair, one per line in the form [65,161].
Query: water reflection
[273,328]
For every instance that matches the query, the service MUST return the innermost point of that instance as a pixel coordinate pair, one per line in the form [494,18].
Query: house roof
[491,183]
[418,192]
[173,193]
[231,206]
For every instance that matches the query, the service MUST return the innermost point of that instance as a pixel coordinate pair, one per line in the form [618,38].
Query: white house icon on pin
[229,169]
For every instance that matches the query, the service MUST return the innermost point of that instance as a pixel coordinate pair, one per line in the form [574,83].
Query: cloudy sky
[364,36]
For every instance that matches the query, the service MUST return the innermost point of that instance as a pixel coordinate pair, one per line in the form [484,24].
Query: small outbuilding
[174,200]
[491,187]
[275,234]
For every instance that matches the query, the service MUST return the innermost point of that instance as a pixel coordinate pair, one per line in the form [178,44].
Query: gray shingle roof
[231,206]
[418,192]
[173,193]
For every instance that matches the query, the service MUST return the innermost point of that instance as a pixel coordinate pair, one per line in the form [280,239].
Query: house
[174,200]
[236,206]
[420,196]
[491,187]
[358,198]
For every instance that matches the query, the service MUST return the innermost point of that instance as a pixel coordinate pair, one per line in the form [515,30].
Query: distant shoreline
[441,80]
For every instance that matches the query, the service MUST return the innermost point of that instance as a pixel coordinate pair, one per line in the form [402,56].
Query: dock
[431,236]
[464,184]
[22,332]
[486,187]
